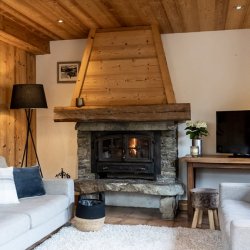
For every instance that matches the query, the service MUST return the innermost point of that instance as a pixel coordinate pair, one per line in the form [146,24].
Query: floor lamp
[28,97]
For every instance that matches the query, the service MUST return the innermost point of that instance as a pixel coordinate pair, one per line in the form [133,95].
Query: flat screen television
[233,132]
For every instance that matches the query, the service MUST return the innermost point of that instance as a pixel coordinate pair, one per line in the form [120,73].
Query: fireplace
[131,162]
[127,154]
[138,150]
[106,146]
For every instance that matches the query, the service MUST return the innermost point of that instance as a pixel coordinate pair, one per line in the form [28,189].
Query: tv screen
[233,132]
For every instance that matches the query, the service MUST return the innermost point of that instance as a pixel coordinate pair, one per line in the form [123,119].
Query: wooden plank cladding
[124,66]
[172,16]
[120,52]
[19,36]
[123,81]
[128,66]
[84,66]
[169,112]
[169,92]
[16,66]
[123,37]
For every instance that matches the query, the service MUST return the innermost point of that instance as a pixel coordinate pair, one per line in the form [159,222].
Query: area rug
[139,237]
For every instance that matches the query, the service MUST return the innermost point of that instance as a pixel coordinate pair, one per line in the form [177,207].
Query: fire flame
[133,142]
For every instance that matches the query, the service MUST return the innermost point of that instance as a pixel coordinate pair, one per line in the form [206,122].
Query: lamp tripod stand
[28,113]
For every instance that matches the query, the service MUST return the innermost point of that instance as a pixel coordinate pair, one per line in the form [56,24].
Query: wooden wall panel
[125,67]
[7,117]
[16,66]
[31,78]
[132,96]
[144,66]
[20,120]
[123,81]
[123,51]
[123,37]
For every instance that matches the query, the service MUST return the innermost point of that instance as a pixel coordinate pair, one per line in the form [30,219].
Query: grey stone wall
[84,155]
[169,152]
[169,140]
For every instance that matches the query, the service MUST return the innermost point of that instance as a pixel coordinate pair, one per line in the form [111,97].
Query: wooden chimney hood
[124,77]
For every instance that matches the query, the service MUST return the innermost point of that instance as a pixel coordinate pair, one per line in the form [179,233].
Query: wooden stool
[205,199]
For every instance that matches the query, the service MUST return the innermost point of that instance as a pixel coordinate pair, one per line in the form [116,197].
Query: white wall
[56,142]
[210,70]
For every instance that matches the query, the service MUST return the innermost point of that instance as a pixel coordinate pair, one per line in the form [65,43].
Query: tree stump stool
[205,199]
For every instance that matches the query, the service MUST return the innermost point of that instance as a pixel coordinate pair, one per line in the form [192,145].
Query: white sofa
[25,223]
[234,215]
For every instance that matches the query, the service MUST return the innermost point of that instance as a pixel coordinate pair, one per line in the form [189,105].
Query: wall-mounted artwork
[67,72]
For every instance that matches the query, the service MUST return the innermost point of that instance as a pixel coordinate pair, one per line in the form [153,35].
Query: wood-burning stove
[126,154]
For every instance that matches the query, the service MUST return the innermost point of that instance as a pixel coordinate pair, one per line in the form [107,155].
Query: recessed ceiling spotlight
[238,7]
[60,21]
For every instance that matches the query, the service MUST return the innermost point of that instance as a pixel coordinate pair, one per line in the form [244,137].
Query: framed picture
[67,72]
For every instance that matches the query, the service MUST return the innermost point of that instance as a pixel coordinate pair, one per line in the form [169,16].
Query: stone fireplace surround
[166,186]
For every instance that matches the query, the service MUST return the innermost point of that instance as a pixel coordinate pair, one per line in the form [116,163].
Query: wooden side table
[210,162]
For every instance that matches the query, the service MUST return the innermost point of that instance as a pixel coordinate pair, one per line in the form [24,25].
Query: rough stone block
[168,207]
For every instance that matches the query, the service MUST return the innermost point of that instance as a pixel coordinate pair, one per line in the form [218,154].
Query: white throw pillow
[8,194]
[3,163]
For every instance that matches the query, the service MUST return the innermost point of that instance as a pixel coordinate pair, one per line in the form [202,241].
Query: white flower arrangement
[196,129]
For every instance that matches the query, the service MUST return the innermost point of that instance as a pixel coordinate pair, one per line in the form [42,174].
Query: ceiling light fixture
[238,7]
[60,21]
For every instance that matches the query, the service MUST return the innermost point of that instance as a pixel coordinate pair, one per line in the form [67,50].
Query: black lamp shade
[28,96]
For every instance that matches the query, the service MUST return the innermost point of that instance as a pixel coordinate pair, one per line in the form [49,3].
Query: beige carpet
[140,237]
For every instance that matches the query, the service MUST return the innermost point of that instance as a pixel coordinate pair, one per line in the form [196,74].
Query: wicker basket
[87,225]
[90,214]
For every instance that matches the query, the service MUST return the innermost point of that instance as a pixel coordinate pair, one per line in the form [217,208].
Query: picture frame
[67,71]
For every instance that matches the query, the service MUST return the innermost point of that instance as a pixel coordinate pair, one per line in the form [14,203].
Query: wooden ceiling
[31,24]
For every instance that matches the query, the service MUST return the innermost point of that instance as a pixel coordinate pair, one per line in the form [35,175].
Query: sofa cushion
[39,208]
[12,225]
[28,182]
[8,192]
[233,210]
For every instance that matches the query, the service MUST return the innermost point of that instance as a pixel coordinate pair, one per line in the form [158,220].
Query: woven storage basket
[90,215]
[87,225]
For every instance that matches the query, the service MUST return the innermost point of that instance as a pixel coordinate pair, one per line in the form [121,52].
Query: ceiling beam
[27,21]
[13,33]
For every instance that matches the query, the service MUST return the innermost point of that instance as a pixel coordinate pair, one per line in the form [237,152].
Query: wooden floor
[147,216]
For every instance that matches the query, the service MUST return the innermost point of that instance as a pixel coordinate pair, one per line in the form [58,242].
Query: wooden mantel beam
[13,33]
[168,112]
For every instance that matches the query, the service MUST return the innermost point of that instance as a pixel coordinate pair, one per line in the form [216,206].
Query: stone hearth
[166,186]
